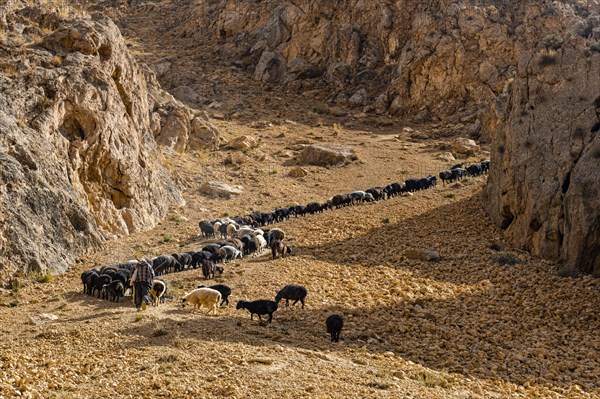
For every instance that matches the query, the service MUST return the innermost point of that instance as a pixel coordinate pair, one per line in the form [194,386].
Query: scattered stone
[43,318]
[327,155]
[297,172]
[236,158]
[242,143]
[430,256]
[464,146]
[359,98]
[446,156]
[203,134]
[426,256]
[222,190]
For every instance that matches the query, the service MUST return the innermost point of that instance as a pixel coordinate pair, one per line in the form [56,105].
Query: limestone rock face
[326,155]
[544,184]
[78,154]
[425,60]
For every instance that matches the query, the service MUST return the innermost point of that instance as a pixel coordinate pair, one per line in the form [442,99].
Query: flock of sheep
[241,236]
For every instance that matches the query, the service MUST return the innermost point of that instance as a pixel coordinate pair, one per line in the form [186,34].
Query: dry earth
[458,328]
[463,327]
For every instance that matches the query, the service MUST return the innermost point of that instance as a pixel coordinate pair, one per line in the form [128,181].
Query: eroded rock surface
[80,121]
[544,186]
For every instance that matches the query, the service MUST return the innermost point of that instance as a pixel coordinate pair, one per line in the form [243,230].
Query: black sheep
[445,175]
[206,228]
[474,169]
[485,166]
[377,192]
[278,247]
[167,263]
[209,268]
[85,277]
[90,282]
[101,281]
[298,210]
[292,291]
[315,207]
[334,325]
[113,291]
[458,173]
[223,289]
[412,185]
[282,214]
[183,258]
[259,307]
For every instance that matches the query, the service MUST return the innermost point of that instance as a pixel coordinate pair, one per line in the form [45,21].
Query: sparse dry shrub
[56,60]
[553,42]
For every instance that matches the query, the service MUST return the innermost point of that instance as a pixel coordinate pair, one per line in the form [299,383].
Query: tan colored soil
[463,327]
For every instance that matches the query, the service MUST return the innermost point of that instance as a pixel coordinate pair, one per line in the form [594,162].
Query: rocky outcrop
[424,60]
[544,186]
[80,120]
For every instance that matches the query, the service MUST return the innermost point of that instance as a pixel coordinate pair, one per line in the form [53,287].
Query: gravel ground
[470,325]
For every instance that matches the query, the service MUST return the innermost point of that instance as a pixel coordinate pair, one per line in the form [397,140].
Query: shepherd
[141,281]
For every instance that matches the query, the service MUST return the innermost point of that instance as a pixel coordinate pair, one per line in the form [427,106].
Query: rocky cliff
[421,60]
[544,187]
[80,121]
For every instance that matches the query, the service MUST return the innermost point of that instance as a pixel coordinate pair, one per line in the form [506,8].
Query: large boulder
[464,146]
[544,183]
[326,155]
[218,189]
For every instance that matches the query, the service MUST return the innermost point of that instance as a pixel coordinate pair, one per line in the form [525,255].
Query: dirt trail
[463,327]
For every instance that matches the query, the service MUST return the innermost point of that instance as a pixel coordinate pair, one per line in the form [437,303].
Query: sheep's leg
[295,302]
[270,317]
[302,300]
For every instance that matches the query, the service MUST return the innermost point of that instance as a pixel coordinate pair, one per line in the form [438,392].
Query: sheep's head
[220,269]
[240,305]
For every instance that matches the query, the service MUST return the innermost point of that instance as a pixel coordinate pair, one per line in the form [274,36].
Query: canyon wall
[80,122]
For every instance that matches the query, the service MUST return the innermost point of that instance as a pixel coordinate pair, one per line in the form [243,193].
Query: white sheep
[227,252]
[261,243]
[258,232]
[203,297]
[216,227]
[232,228]
[245,230]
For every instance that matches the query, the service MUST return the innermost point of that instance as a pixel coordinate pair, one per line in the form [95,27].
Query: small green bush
[595,47]
[553,42]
